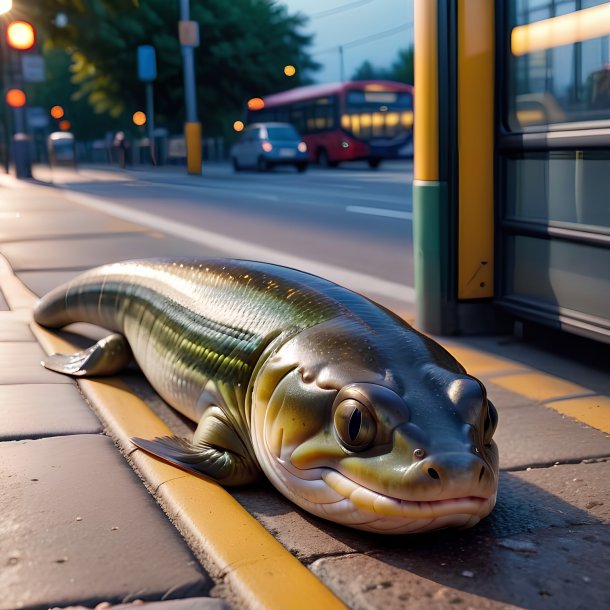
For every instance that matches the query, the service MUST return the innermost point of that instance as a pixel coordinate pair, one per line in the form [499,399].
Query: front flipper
[216,451]
[107,357]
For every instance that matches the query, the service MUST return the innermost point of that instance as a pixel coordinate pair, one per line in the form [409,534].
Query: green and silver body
[350,412]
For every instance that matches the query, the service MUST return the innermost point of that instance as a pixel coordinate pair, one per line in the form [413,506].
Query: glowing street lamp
[20,35]
[290,70]
[15,98]
[57,112]
[139,118]
[256,103]
[5,6]
[238,126]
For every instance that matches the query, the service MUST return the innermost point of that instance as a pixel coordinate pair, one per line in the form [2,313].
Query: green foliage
[244,47]
[401,69]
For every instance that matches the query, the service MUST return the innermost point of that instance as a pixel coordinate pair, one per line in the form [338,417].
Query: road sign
[147,63]
[37,117]
[33,68]
[188,33]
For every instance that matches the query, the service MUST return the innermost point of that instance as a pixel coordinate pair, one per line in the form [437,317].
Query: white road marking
[237,248]
[359,209]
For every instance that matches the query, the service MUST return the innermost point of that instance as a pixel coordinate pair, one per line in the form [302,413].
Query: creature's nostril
[433,473]
[482,473]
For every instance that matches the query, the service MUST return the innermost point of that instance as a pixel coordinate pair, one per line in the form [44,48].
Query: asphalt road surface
[352,225]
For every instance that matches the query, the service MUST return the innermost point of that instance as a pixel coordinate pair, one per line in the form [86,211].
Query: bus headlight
[344,144]
[302,147]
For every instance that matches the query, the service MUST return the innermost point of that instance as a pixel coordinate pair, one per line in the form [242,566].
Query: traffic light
[57,112]
[20,35]
[256,103]
[15,98]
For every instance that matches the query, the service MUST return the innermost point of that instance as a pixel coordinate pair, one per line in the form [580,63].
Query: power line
[339,9]
[365,39]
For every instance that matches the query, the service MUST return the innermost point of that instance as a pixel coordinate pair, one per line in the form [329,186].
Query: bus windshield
[378,114]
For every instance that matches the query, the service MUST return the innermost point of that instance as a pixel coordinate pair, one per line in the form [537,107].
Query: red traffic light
[256,103]
[20,35]
[15,98]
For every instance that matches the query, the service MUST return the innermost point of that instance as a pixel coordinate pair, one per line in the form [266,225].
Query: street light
[21,35]
[256,103]
[139,118]
[15,98]
[5,6]
[289,70]
[57,112]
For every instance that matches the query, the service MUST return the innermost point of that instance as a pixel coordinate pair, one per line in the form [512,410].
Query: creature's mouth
[388,507]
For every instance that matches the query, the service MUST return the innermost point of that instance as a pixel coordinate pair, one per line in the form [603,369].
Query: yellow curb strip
[592,410]
[565,397]
[540,386]
[480,363]
[259,569]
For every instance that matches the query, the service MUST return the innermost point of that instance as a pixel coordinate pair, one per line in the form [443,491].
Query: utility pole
[147,73]
[189,39]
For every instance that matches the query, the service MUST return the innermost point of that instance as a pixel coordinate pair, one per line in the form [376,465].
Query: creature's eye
[355,425]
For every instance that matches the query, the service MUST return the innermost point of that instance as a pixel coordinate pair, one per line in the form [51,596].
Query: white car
[264,145]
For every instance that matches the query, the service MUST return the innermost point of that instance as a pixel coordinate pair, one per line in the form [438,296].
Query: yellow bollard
[192,136]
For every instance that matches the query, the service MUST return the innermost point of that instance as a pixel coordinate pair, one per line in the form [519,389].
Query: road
[352,225]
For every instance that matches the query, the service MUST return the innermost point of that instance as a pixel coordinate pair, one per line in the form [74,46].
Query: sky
[349,23]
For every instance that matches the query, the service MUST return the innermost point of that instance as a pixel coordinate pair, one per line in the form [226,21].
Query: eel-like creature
[350,412]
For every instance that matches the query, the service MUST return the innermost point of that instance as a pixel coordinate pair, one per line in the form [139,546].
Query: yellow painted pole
[192,136]
[426,91]
[475,114]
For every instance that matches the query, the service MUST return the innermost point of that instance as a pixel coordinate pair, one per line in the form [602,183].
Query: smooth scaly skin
[265,357]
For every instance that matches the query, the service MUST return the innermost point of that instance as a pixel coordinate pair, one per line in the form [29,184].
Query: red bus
[370,120]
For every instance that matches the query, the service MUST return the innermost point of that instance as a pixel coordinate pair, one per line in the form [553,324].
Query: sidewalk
[79,528]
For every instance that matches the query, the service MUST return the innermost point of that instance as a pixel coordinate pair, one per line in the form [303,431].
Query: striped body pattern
[350,412]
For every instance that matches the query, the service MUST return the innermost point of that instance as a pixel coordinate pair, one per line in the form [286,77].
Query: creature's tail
[84,299]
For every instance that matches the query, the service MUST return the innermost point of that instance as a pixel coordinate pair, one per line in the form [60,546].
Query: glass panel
[383,101]
[571,187]
[282,133]
[570,275]
[559,68]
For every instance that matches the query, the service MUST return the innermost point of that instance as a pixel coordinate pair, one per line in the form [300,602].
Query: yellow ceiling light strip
[564,29]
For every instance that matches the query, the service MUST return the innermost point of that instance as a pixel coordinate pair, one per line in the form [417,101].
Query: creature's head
[394,445]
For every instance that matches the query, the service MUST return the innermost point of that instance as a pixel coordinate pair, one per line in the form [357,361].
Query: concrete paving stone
[543,498]
[20,362]
[69,221]
[85,253]
[3,304]
[15,326]
[29,411]
[553,569]
[78,527]
[536,435]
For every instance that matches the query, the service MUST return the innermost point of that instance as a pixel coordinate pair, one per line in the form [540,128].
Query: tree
[245,44]
[367,71]
[401,69]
